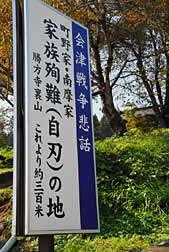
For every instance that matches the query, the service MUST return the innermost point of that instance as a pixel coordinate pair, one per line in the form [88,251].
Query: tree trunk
[165,116]
[117,123]
[158,113]
[162,122]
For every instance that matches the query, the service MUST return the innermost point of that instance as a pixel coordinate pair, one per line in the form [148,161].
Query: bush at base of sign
[5,214]
[6,157]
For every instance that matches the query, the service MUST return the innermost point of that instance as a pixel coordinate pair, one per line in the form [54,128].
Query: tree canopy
[6,51]
[129,47]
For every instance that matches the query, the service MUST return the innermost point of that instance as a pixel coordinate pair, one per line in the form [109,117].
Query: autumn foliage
[129,47]
[6,50]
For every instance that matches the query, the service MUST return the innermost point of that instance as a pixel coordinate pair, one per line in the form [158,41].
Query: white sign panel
[60,188]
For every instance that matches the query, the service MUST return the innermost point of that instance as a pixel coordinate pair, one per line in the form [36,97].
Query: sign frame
[21,47]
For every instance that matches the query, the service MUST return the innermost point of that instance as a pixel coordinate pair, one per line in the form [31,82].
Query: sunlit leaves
[6,48]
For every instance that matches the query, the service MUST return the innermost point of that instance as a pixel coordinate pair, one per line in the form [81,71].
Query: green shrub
[133,188]
[6,157]
[139,124]
[5,195]
[133,182]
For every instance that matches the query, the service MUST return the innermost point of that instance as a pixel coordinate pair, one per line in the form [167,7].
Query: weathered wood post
[46,243]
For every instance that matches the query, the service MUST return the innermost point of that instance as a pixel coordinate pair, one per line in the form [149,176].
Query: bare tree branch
[119,74]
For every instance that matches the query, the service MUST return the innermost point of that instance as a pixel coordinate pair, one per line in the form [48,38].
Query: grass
[133,188]
[5,214]
[5,195]
[6,156]
[5,170]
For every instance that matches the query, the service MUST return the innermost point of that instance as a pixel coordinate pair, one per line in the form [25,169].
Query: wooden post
[46,243]
[19,103]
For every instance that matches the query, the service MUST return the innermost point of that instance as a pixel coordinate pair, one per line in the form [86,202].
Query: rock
[164,244]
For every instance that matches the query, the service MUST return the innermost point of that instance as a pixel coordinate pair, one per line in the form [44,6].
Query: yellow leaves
[141,123]
[77,10]
[132,16]
[6,27]
[136,12]
[135,18]
[162,4]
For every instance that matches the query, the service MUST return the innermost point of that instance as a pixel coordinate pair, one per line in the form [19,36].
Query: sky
[96,107]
